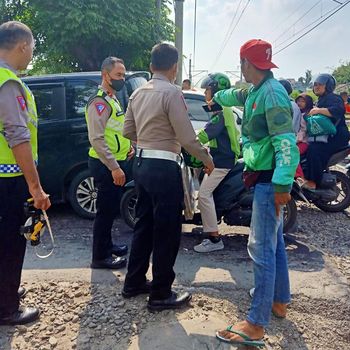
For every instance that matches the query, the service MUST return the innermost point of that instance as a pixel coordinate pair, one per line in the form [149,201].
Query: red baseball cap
[259,53]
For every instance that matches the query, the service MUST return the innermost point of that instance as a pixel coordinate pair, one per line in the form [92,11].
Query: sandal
[246,339]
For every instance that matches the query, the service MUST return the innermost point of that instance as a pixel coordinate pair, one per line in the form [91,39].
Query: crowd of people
[145,143]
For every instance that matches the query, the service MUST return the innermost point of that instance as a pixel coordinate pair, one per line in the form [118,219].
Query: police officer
[108,161]
[157,119]
[18,174]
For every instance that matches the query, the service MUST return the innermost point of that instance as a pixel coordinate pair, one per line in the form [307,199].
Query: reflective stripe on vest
[8,164]
[116,142]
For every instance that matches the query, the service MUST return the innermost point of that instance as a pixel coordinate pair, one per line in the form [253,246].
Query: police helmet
[287,85]
[328,80]
[216,81]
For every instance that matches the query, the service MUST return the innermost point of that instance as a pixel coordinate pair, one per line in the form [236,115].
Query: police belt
[156,154]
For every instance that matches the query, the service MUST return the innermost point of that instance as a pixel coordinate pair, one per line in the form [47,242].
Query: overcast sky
[276,21]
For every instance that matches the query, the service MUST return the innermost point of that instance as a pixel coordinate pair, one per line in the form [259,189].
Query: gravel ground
[82,315]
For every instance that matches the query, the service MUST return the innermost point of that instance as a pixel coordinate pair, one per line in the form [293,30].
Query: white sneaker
[208,246]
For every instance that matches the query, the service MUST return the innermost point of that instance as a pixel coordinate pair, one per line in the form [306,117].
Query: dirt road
[82,308]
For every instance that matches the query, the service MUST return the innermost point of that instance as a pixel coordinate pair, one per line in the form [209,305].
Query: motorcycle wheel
[290,217]
[343,200]
[128,207]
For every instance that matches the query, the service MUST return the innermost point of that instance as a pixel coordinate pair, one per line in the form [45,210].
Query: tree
[306,80]
[78,35]
[342,73]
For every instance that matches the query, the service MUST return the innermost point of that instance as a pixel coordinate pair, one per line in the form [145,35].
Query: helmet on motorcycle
[328,80]
[191,161]
[216,81]
[287,85]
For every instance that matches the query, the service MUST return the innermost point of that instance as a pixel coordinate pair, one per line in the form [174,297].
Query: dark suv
[63,139]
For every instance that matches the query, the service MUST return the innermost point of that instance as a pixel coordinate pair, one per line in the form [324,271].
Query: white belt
[156,154]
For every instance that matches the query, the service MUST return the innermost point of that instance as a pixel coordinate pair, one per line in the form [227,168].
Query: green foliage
[77,35]
[306,80]
[296,93]
[342,73]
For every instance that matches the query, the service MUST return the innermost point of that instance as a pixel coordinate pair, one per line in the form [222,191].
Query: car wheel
[82,195]
[128,207]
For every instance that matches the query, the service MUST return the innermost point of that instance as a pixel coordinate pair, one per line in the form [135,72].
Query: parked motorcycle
[333,194]
[233,203]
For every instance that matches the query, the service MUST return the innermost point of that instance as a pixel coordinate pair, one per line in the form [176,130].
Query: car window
[48,99]
[133,83]
[196,111]
[78,93]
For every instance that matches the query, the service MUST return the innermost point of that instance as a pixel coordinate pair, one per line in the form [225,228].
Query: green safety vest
[8,164]
[116,142]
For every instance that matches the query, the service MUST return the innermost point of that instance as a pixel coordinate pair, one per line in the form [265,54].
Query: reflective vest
[116,142]
[8,164]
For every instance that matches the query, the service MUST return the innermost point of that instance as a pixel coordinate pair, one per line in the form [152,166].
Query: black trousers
[107,205]
[13,195]
[158,227]
[319,153]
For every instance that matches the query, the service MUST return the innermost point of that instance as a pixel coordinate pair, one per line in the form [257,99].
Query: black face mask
[117,84]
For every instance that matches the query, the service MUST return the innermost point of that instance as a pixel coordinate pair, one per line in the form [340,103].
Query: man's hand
[210,103]
[41,199]
[118,177]
[208,168]
[131,153]
[281,198]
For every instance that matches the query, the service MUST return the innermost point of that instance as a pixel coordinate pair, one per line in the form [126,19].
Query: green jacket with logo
[268,138]
[8,164]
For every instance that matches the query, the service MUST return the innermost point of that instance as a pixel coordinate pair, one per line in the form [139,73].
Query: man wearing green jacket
[271,157]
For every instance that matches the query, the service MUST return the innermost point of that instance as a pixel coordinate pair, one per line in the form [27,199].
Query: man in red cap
[271,157]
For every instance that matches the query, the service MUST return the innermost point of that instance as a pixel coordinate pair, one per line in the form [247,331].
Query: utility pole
[190,69]
[179,23]
[158,13]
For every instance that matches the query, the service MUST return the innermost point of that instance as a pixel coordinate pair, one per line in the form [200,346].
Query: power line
[302,29]
[298,20]
[314,27]
[287,17]
[230,34]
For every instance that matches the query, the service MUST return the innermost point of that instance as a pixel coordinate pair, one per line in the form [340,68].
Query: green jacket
[267,133]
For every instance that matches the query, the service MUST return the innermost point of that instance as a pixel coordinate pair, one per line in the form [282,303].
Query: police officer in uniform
[157,119]
[19,179]
[108,162]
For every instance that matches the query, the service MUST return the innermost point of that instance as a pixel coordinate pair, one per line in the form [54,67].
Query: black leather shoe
[109,263]
[173,302]
[22,316]
[120,250]
[133,292]
[21,292]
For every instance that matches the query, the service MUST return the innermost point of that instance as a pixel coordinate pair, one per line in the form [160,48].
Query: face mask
[117,85]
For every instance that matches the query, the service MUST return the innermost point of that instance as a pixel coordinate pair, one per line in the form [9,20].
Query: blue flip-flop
[246,339]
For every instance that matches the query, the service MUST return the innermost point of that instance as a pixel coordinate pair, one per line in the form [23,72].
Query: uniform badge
[22,102]
[100,107]
[254,106]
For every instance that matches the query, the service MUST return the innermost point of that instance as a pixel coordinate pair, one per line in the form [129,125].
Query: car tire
[128,207]
[82,195]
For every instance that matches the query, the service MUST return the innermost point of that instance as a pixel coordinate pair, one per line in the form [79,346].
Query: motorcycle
[333,193]
[233,203]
